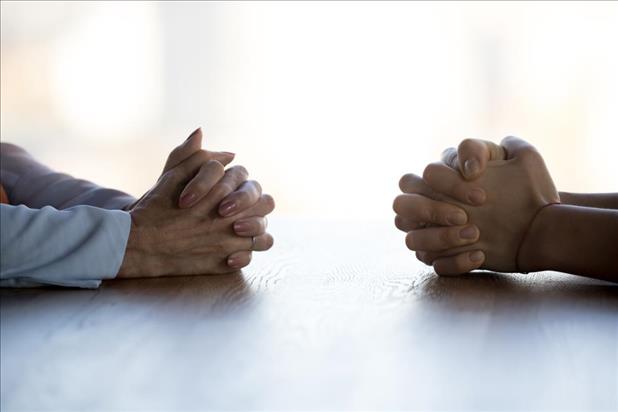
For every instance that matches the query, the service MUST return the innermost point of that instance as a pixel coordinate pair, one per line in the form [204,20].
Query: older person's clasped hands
[474,208]
[198,218]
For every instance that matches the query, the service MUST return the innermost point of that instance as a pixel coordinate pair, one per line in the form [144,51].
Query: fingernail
[231,262]
[227,208]
[468,233]
[471,167]
[457,218]
[187,199]
[476,256]
[476,196]
[241,227]
[229,153]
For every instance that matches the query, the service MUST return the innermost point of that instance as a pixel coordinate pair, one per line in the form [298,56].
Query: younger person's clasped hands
[475,208]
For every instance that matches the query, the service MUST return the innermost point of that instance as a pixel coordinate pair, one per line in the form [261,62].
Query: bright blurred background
[326,104]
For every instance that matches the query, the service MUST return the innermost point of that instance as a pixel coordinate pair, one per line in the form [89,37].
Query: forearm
[79,246]
[573,239]
[33,184]
[599,200]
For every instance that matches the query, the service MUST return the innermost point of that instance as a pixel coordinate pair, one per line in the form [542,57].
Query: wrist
[536,249]
[135,263]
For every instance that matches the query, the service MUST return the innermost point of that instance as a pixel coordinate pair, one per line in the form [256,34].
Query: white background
[326,104]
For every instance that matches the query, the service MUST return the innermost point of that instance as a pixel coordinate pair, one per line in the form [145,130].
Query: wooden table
[339,315]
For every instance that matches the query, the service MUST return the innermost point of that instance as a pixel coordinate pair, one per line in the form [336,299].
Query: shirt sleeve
[33,184]
[78,246]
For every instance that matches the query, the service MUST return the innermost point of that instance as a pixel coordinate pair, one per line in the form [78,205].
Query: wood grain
[339,315]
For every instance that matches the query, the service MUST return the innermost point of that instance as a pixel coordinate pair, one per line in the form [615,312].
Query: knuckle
[219,190]
[201,185]
[256,185]
[214,166]
[467,143]
[172,175]
[430,171]
[240,171]
[433,215]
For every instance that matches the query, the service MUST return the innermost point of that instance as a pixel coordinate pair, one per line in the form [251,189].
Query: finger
[239,260]
[231,180]
[405,225]
[192,145]
[205,179]
[254,243]
[423,257]
[449,158]
[441,238]
[411,183]
[473,155]
[419,208]
[186,170]
[250,226]
[241,199]
[264,206]
[263,242]
[459,264]
[447,181]
[516,147]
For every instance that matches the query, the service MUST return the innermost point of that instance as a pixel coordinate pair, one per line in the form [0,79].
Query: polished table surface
[339,315]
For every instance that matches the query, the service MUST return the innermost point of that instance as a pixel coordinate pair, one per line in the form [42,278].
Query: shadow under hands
[548,288]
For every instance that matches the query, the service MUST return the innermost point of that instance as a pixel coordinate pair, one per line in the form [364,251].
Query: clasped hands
[483,206]
[475,208]
[198,218]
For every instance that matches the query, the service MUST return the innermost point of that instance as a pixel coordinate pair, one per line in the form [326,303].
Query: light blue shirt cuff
[76,247]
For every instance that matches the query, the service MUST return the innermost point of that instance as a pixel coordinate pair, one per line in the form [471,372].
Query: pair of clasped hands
[198,218]
[475,208]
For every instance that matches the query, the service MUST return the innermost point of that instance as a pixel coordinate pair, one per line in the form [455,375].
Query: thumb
[473,155]
[192,144]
